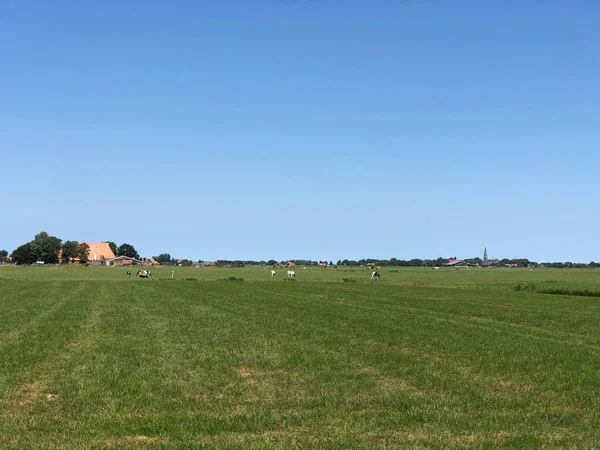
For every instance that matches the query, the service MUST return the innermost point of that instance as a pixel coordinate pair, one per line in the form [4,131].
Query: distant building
[150,262]
[456,263]
[207,264]
[123,261]
[98,253]
[489,262]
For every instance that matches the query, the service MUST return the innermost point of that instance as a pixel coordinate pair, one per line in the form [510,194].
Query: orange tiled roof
[98,251]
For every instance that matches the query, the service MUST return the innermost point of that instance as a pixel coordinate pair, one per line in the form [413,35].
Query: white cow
[375,275]
[436,268]
[291,274]
[273,273]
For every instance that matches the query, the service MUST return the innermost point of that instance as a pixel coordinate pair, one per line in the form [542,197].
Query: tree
[112,246]
[127,250]
[82,252]
[46,247]
[163,258]
[25,254]
[440,261]
[3,255]
[69,250]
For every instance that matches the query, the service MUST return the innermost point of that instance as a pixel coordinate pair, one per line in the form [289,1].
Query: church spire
[485,256]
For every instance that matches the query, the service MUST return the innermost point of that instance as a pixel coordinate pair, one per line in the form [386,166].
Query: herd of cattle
[290,274]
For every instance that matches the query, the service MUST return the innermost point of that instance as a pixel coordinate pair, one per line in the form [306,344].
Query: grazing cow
[129,274]
[291,274]
[172,274]
[144,274]
[273,273]
[375,275]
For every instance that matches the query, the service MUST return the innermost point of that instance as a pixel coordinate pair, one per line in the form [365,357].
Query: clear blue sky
[314,129]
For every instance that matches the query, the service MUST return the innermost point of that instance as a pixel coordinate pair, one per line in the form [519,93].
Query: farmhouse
[150,262]
[123,261]
[456,263]
[98,253]
[490,263]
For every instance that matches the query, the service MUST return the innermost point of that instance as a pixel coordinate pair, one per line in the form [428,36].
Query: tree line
[52,250]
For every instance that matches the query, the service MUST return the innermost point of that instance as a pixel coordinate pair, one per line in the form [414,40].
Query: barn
[123,261]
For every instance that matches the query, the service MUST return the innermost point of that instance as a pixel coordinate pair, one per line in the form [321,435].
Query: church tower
[485,257]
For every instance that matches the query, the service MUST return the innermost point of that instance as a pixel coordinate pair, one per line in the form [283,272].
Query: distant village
[46,249]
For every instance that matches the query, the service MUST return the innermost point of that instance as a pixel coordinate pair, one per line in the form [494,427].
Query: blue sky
[303,129]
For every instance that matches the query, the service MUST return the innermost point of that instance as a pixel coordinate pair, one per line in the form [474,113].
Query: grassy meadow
[480,358]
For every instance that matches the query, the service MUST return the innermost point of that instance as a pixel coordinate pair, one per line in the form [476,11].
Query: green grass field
[420,359]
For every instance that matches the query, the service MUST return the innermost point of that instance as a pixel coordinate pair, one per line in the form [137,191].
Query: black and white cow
[144,274]
[375,275]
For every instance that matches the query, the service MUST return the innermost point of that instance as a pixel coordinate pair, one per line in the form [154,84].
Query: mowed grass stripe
[557,326]
[459,316]
[23,306]
[43,336]
[484,382]
[497,351]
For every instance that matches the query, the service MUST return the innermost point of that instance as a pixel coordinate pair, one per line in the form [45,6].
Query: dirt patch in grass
[244,372]
[133,441]
[556,436]
[94,320]
[238,410]
[30,394]
[503,436]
